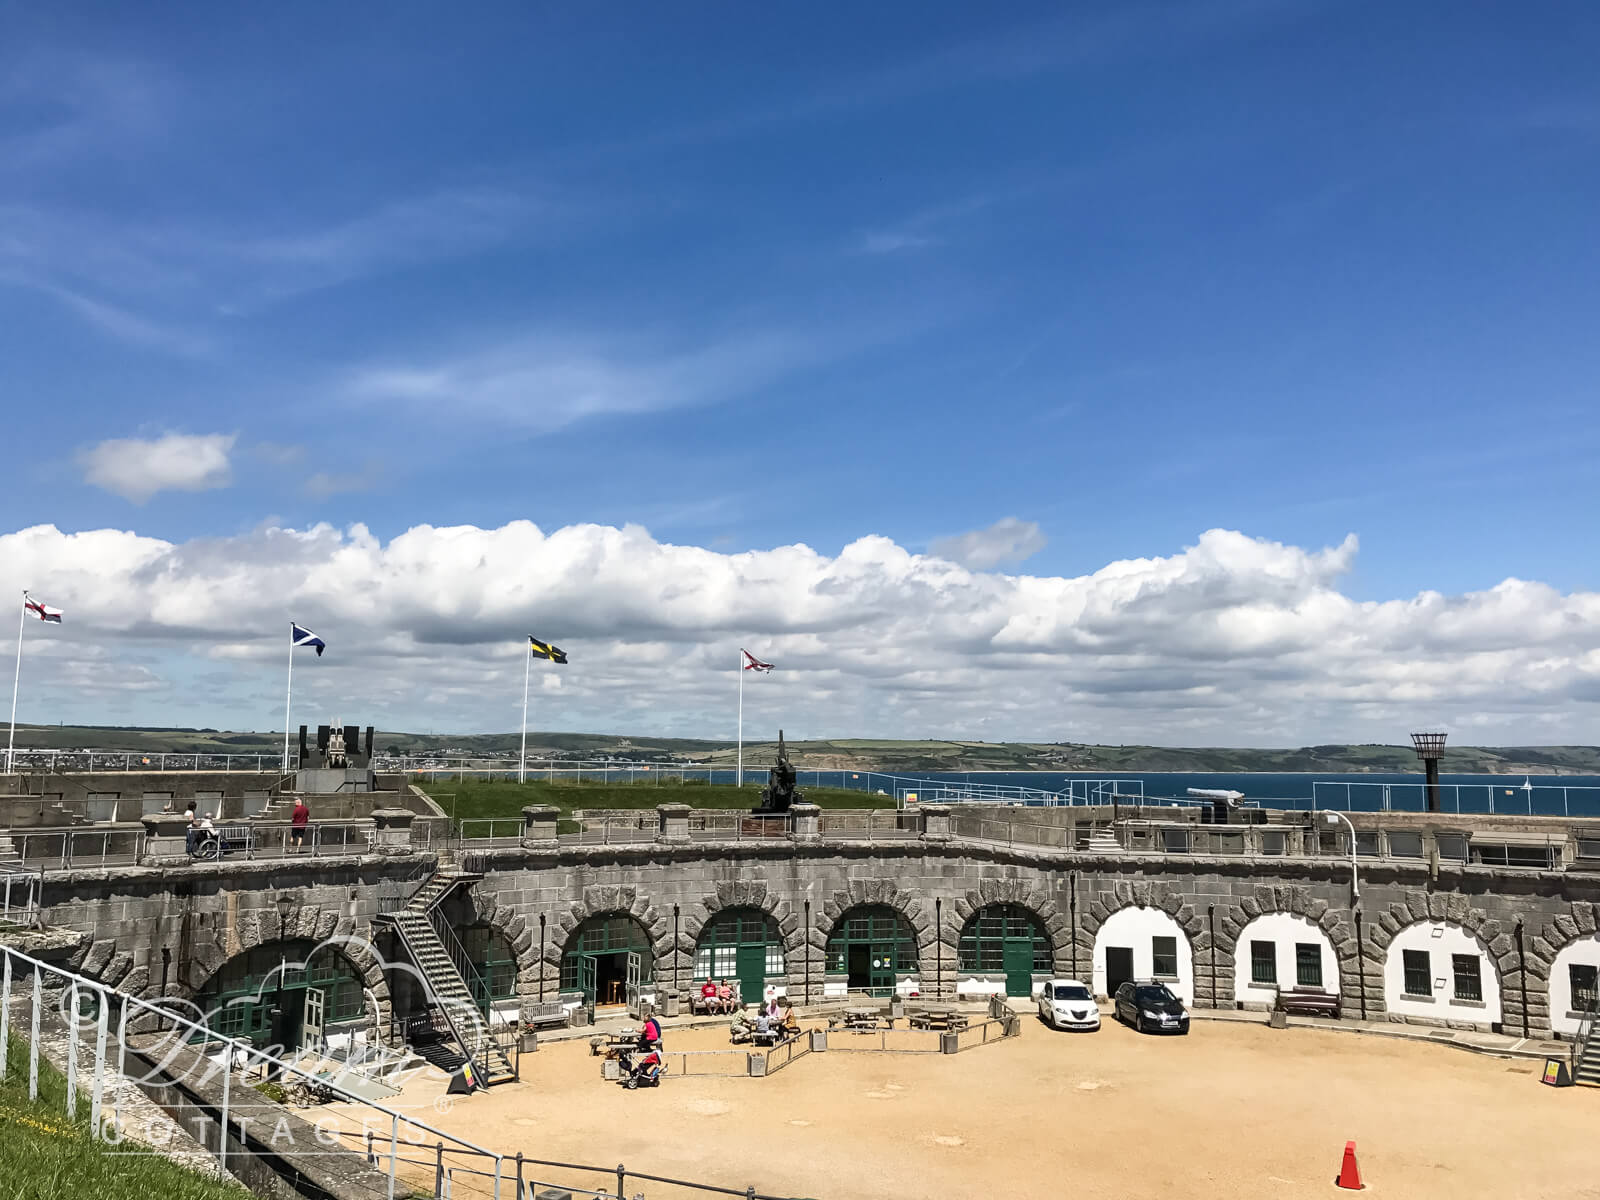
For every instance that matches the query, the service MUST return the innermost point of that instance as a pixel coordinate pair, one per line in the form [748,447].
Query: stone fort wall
[166,930]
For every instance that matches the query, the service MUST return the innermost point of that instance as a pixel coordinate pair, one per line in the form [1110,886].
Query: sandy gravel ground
[1234,1110]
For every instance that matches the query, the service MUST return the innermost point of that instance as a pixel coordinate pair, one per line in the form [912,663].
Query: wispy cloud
[333,483]
[1008,540]
[138,468]
[69,107]
[548,381]
[893,243]
[120,324]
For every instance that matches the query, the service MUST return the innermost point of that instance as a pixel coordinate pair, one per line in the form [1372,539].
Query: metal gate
[635,971]
[311,1024]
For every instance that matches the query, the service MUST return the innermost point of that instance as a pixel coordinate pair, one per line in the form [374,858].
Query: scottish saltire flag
[752,663]
[304,637]
[545,650]
[43,611]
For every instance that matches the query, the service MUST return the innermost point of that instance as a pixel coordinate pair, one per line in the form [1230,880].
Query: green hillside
[858,754]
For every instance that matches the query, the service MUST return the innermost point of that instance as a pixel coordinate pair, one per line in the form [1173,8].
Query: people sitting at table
[741,1027]
[650,1035]
[789,1023]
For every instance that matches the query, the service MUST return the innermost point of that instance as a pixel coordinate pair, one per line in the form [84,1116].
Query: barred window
[1469,983]
[1308,964]
[1418,973]
[1583,978]
[1264,963]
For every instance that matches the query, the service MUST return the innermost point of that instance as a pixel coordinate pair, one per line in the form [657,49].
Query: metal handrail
[1580,1043]
[458,958]
[467,1045]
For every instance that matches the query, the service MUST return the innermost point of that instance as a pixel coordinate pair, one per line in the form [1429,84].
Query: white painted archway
[1441,1001]
[1564,1014]
[1136,928]
[1284,932]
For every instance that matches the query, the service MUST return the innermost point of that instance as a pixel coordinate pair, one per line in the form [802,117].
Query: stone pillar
[672,822]
[539,824]
[935,822]
[164,840]
[805,824]
[393,830]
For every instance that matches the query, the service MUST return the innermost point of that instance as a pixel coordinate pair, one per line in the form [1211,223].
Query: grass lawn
[44,1156]
[467,799]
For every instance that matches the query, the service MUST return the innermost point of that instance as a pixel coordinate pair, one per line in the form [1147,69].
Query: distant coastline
[855,754]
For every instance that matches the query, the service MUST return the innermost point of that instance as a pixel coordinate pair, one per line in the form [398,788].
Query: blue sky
[752,278]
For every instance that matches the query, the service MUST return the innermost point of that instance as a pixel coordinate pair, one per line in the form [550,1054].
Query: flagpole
[738,775]
[16,682]
[527,669]
[287,692]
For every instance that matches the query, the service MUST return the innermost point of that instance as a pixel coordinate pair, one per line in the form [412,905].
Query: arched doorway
[278,993]
[1143,943]
[490,953]
[595,961]
[742,944]
[1009,940]
[1574,984]
[873,946]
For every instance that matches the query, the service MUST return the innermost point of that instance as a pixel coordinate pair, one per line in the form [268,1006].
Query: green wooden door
[750,965]
[586,974]
[1019,967]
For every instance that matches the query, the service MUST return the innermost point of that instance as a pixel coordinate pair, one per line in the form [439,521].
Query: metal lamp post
[1429,747]
[1333,818]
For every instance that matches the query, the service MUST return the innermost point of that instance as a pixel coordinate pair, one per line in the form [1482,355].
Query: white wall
[1584,950]
[1135,927]
[1284,930]
[1440,939]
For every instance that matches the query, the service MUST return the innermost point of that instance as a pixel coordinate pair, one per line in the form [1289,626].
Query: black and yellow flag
[545,650]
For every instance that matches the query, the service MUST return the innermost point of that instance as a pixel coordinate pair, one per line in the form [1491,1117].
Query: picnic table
[862,1018]
[938,1017]
[606,1043]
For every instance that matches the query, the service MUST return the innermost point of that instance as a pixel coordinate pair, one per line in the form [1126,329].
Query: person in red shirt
[298,821]
[708,995]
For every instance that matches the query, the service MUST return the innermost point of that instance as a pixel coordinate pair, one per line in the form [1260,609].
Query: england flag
[752,663]
[43,611]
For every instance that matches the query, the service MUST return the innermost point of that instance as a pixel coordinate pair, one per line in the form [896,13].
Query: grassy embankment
[44,1156]
[471,799]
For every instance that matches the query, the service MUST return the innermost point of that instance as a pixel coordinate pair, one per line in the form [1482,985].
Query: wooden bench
[548,1014]
[1309,1001]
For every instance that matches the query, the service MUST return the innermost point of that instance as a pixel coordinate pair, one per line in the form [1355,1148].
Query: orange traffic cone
[1349,1172]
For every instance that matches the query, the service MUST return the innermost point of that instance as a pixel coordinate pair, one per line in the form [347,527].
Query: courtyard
[1234,1110]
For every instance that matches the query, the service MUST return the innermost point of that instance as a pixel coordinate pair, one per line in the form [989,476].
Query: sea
[1543,795]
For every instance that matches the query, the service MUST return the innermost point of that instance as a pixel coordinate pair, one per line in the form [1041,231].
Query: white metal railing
[20,892]
[97,761]
[395,1143]
[1501,797]
[61,849]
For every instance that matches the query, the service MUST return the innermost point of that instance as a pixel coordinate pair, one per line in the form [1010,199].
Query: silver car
[1068,1004]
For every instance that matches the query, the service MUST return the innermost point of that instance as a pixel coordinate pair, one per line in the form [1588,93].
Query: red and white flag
[43,611]
[752,663]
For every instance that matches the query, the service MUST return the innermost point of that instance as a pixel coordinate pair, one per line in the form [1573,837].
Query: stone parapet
[539,824]
[672,822]
[165,840]
[392,832]
[805,822]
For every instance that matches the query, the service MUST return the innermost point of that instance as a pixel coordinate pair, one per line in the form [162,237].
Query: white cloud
[1008,540]
[547,381]
[138,468]
[1233,640]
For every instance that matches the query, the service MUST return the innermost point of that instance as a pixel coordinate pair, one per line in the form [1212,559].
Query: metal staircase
[452,981]
[1586,1049]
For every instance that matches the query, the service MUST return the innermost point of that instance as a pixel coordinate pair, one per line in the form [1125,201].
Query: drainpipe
[675,955]
[808,951]
[938,947]
[1211,923]
[541,958]
[1522,974]
[1361,961]
[1072,904]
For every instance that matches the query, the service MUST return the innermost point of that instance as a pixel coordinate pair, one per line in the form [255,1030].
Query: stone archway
[742,893]
[1545,953]
[1003,891]
[602,900]
[1332,923]
[863,893]
[504,920]
[1206,964]
[1497,941]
